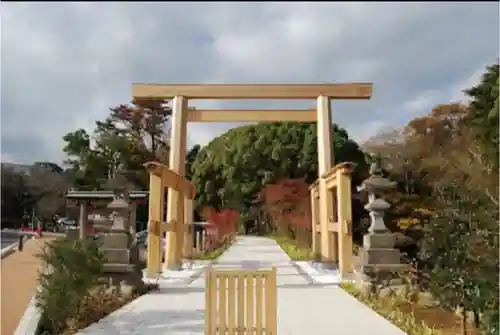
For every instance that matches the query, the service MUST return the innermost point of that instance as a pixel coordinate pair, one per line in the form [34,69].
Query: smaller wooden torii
[160,179]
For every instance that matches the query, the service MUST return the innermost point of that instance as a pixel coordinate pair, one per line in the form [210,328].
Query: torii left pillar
[175,201]
[329,241]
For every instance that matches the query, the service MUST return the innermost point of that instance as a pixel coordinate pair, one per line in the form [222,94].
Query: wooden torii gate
[155,94]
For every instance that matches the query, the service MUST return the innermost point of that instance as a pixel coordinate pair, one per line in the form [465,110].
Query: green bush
[74,267]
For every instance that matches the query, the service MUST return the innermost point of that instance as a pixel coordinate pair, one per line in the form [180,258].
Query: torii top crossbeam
[146,92]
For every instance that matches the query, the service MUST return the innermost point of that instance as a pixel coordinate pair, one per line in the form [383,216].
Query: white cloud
[65,64]
[422,102]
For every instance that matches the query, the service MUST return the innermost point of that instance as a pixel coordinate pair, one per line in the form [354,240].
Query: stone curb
[8,250]
[30,320]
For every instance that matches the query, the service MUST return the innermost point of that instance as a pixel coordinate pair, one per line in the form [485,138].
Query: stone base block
[120,256]
[116,240]
[381,256]
[379,241]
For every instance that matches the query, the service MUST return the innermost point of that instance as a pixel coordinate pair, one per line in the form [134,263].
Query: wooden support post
[180,230]
[316,236]
[156,212]
[198,241]
[324,129]
[345,221]
[173,258]
[188,238]
[84,219]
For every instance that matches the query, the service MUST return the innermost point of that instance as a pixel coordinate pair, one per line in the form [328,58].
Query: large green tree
[231,170]
[483,118]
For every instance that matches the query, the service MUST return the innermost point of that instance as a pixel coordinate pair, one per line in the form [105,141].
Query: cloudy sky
[64,64]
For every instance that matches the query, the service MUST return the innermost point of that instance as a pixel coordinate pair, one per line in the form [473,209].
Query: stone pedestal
[380,260]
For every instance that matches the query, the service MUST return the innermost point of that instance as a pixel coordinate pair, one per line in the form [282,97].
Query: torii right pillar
[329,239]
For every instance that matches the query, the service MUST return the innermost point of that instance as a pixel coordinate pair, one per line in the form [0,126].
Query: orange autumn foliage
[222,225]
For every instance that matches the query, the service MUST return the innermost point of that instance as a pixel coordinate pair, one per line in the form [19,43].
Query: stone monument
[117,243]
[380,262]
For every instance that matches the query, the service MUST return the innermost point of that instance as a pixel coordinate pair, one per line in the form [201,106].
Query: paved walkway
[303,308]
[19,281]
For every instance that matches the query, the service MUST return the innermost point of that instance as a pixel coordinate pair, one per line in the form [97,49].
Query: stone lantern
[117,244]
[380,261]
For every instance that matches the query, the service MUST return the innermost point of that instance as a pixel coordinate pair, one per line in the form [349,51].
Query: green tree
[88,168]
[190,159]
[231,170]
[483,117]
[460,254]
[49,184]
[18,197]
[129,137]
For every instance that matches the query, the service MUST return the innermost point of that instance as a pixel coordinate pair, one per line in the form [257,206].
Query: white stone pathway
[303,308]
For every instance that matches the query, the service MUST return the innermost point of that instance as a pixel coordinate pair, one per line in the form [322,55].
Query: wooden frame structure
[161,178]
[240,302]
[338,185]
[150,95]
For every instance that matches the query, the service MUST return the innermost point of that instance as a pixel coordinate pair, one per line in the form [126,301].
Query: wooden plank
[156,209]
[246,115]
[331,176]
[210,302]
[241,303]
[259,304]
[272,303]
[147,92]
[171,179]
[222,303]
[250,304]
[231,295]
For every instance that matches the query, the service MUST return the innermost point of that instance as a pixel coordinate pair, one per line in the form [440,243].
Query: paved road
[8,238]
[303,308]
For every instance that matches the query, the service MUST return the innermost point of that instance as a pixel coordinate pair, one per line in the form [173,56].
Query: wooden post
[198,241]
[84,219]
[182,230]
[316,236]
[324,133]
[156,212]
[188,238]
[173,259]
[345,221]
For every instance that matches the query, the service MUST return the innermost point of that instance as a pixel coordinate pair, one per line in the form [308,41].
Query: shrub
[74,267]
[388,308]
[294,250]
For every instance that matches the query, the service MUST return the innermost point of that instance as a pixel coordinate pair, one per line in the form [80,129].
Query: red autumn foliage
[222,225]
[288,204]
